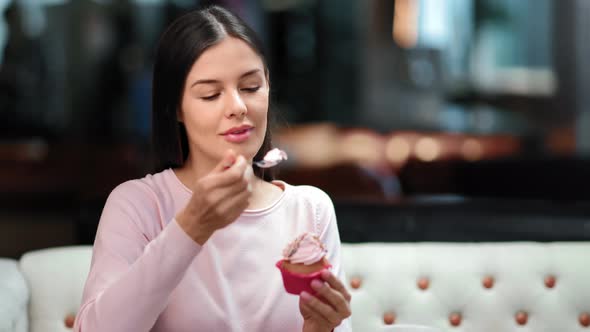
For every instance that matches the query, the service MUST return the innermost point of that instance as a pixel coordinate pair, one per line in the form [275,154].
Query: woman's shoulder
[309,193]
[142,189]
[137,201]
[312,202]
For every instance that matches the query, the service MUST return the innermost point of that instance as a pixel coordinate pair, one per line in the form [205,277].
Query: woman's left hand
[328,308]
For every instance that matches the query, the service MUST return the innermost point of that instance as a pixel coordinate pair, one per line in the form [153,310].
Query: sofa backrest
[56,278]
[479,287]
[463,287]
[14,294]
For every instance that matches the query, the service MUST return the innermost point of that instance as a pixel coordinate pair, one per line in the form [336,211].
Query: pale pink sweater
[147,274]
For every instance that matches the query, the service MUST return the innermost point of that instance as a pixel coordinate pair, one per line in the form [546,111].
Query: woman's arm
[135,267]
[132,274]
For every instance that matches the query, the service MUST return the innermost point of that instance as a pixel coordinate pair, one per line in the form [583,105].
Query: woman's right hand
[218,198]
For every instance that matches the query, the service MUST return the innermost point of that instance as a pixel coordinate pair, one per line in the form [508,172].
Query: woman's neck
[193,171]
[264,194]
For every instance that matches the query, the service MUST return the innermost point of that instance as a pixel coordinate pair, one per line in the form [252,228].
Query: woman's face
[225,102]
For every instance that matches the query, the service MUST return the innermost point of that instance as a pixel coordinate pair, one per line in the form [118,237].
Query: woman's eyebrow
[205,81]
[212,81]
[249,72]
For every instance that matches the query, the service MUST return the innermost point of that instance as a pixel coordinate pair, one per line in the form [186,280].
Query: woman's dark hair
[180,46]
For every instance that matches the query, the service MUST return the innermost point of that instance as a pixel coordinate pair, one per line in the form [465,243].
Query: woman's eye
[211,97]
[252,89]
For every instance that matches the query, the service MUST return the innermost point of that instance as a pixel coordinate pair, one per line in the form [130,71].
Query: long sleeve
[135,266]
[331,238]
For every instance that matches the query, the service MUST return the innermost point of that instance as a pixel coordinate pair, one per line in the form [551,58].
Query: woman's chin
[247,151]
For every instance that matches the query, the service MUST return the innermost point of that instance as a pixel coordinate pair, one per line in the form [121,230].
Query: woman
[193,246]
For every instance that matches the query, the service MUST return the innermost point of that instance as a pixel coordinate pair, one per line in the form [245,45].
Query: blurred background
[425,120]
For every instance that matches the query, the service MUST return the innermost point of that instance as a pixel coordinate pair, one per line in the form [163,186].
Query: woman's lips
[238,136]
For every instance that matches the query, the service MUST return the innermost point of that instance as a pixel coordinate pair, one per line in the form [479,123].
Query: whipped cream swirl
[306,249]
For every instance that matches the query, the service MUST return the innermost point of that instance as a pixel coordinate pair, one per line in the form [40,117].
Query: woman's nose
[235,105]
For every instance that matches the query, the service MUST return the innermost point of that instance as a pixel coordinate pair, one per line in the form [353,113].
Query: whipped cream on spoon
[272,158]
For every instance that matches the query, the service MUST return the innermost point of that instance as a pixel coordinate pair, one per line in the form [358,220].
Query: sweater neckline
[285,187]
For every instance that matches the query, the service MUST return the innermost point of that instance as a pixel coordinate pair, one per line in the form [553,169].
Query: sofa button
[584,319]
[389,318]
[550,281]
[355,282]
[423,283]
[488,282]
[455,319]
[69,321]
[521,317]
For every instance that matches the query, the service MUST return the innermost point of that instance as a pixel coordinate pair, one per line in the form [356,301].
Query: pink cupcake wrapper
[295,283]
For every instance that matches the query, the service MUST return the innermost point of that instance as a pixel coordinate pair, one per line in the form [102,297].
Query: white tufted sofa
[43,288]
[14,295]
[475,287]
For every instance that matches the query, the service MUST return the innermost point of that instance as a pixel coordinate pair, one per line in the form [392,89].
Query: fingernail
[249,188]
[305,295]
[316,284]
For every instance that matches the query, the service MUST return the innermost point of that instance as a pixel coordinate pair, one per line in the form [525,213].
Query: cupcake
[303,260]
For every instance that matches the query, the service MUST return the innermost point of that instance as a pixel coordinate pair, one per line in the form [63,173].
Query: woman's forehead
[228,59]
